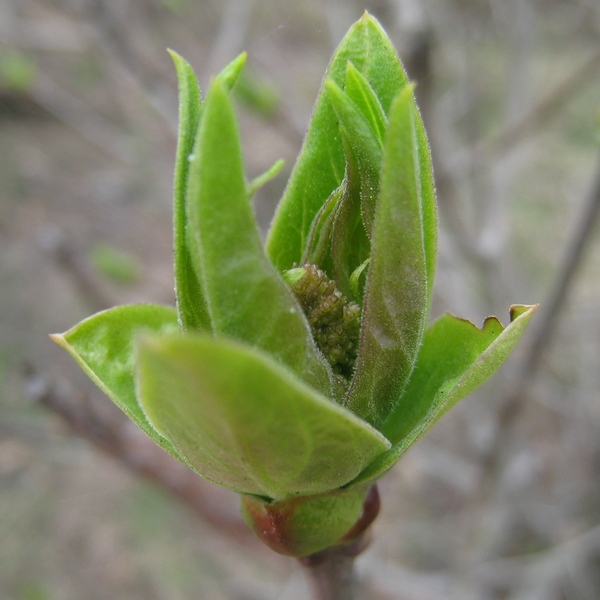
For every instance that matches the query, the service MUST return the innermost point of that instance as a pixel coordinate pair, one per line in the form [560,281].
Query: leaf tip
[518,310]
[175,57]
[58,338]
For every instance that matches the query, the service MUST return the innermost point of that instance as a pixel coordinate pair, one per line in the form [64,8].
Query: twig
[76,114]
[487,151]
[331,575]
[52,240]
[118,437]
[546,325]
[126,64]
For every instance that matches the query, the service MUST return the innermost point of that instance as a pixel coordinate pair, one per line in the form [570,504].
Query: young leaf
[359,90]
[455,359]
[319,237]
[396,298]
[320,166]
[350,244]
[265,177]
[243,421]
[365,145]
[230,75]
[104,347]
[246,297]
[191,305]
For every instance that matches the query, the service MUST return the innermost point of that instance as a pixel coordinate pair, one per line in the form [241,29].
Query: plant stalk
[331,571]
[331,575]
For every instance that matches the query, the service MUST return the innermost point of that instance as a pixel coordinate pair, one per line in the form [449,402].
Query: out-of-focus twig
[540,114]
[114,39]
[74,113]
[118,437]
[232,33]
[574,255]
[546,324]
[52,241]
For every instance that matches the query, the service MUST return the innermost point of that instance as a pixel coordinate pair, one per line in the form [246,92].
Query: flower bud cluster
[334,321]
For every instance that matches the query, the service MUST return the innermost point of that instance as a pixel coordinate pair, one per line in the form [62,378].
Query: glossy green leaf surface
[104,347]
[321,164]
[395,308]
[455,359]
[246,423]
[246,298]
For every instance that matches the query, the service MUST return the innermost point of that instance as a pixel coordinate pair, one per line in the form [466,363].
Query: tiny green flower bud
[334,321]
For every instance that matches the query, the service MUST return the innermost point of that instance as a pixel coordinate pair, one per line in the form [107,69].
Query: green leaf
[365,146]
[350,244]
[359,90]
[118,266]
[104,347]
[321,164]
[245,422]
[191,305]
[230,75]
[355,278]
[265,177]
[428,204]
[246,298]
[396,303]
[455,359]
[319,237]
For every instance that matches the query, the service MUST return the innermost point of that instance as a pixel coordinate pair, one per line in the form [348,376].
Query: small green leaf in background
[18,71]
[115,264]
[36,591]
[258,95]
[246,423]
[175,6]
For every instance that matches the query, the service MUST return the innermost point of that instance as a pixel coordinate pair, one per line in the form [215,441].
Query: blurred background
[502,499]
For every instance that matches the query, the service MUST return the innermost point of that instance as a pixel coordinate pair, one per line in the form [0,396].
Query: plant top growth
[298,372]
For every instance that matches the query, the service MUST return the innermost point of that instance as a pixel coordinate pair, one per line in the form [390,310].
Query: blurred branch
[118,437]
[487,151]
[76,114]
[545,574]
[114,37]
[52,241]
[546,325]
[232,33]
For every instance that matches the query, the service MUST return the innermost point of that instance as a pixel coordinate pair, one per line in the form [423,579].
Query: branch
[115,435]
[545,328]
